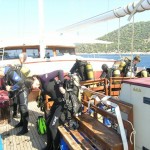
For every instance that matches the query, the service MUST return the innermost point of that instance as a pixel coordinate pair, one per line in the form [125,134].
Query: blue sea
[145,58]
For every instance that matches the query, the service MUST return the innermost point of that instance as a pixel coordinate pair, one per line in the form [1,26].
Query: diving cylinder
[121,66]
[89,71]
[116,73]
[144,73]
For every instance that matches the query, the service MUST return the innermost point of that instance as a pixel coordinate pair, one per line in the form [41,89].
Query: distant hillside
[141,40]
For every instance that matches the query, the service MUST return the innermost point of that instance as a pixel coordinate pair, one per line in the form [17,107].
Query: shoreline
[135,53]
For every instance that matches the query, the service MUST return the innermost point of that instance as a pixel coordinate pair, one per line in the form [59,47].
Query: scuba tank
[89,71]
[122,65]
[144,73]
[116,73]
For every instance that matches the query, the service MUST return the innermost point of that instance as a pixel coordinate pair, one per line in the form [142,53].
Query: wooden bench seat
[72,144]
[125,108]
[91,134]
[94,129]
[74,139]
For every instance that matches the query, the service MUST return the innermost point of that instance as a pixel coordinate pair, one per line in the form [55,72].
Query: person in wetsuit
[18,67]
[50,86]
[131,68]
[16,84]
[106,72]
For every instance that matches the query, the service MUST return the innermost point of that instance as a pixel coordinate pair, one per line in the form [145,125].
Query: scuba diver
[107,72]
[131,68]
[52,85]
[143,74]
[14,83]
[79,67]
[23,72]
[49,86]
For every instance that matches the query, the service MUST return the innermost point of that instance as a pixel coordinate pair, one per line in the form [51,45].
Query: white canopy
[51,40]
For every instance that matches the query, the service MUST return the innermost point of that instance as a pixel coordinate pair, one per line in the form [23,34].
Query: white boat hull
[41,66]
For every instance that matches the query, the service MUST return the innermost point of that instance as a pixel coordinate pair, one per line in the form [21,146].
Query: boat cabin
[34,51]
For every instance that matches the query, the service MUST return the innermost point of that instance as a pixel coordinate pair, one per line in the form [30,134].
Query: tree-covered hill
[141,40]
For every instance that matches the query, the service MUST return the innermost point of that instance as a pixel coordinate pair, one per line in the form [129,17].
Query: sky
[20,18]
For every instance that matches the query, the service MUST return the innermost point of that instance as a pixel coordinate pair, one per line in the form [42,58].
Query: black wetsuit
[22,92]
[51,88]
[107,73]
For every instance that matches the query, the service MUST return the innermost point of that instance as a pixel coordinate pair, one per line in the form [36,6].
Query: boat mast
[41,29]
[140,5]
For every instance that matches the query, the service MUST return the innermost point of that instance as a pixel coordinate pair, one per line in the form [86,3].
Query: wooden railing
[111,87]
[98,85]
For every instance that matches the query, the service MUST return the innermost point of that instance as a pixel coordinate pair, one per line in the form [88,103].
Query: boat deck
[30,141]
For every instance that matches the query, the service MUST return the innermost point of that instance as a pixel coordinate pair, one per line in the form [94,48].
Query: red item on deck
[4,99]
[4,107]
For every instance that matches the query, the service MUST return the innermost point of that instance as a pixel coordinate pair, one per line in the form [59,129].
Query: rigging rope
[107,28]
[119,40]
[135,9]
[132,45]
[132,133]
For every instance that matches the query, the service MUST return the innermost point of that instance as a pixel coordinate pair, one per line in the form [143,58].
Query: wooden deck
[30,141]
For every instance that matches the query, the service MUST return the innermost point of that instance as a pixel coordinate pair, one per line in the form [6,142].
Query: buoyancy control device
[73,104]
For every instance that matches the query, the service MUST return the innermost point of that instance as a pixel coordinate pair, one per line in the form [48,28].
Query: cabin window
[12,54]
[61,52]
[49,53]
[34,53]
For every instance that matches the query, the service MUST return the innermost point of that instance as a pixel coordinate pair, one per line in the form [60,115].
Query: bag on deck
[41,125]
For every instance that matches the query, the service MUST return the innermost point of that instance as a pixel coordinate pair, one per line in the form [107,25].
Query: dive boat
[135,92]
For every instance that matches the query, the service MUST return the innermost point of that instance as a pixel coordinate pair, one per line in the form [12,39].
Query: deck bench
[91,134]
[125,108]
